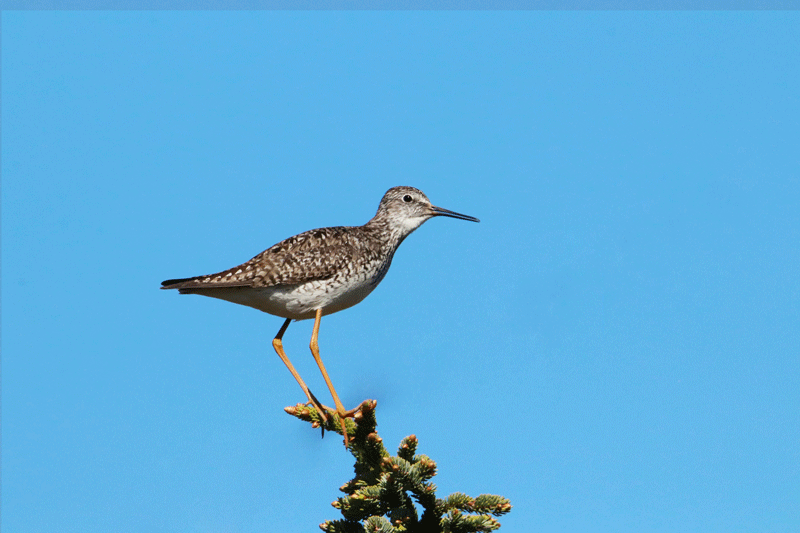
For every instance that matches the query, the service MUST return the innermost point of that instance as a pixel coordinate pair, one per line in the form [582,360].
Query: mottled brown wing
[306,257]
[303,266]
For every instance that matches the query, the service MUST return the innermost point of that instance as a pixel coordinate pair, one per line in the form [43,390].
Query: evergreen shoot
[386,491]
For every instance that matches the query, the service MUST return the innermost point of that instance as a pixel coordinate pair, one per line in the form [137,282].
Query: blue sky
[614,347]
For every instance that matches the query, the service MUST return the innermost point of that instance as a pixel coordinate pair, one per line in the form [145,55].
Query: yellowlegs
[320,272]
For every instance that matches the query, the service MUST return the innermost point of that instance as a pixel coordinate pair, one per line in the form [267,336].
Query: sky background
[615,347]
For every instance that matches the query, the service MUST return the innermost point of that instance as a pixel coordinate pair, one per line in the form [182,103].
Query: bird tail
[184,285]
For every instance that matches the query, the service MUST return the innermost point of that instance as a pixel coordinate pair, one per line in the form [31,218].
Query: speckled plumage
[328,268]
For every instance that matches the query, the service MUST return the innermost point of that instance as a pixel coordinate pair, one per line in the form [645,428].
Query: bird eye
[407,198]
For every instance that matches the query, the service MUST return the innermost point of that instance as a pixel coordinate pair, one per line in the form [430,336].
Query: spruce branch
[384,494]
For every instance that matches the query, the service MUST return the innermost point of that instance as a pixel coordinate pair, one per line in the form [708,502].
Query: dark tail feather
[196,286]
[175,283]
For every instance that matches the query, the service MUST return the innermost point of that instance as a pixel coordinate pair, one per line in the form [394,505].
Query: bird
[320,272]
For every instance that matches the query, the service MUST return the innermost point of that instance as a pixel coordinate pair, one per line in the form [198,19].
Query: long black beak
[442,212]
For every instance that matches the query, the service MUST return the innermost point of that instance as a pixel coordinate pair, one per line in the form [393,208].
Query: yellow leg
[340,410]
[277,343]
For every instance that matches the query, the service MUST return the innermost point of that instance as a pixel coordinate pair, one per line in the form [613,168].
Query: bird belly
[301,301]
[331,295]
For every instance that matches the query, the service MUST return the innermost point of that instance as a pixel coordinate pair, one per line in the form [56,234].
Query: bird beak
[442,212]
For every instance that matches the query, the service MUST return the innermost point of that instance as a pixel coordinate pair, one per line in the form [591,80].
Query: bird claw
[327,418]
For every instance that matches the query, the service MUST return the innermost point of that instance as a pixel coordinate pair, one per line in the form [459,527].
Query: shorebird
[320,272]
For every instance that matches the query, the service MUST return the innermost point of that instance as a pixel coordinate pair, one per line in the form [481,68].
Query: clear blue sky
[615,347]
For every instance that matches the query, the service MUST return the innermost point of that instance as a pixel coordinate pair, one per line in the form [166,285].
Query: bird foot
[324,417]
[356,415]
[342,416]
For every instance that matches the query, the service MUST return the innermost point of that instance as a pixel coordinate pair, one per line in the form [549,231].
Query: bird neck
[389,230]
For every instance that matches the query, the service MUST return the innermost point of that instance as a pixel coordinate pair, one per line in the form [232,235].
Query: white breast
[302,301]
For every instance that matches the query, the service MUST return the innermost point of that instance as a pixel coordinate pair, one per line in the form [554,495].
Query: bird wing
[309,256]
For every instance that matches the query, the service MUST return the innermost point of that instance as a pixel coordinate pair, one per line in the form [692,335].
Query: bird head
[404,209]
